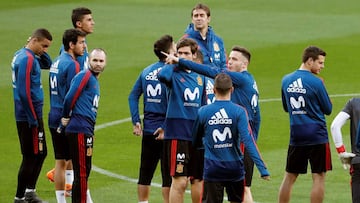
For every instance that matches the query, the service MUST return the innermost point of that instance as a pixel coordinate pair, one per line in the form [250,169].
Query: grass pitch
[275,31]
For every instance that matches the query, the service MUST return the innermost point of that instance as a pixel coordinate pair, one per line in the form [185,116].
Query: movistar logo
[296,87]
[191,95]
[221,136]
[153,91]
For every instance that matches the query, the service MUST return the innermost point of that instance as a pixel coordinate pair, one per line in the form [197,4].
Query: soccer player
[155,105]
[28,102]
[210,44]
[306,100]
[220,127]
[64,68]
[82,101]
[351,112]
[82,20]
[245,94]
[186,96]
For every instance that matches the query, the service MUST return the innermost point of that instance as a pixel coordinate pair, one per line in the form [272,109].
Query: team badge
[199,79]
[216,47]
[89,151]
[179,168]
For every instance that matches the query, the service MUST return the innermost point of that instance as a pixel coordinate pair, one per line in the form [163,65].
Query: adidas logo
[296,87]
[153,74]
[220,117]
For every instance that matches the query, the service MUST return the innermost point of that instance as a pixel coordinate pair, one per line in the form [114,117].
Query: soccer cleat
[31,197]
[50,175]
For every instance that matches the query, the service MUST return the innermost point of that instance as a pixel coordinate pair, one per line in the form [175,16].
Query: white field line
[112,123]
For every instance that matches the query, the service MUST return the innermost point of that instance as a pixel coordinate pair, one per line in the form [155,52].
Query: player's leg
[213,192]
[33,156]
[235,191]
[150,156]
[81,147]
[165,173]
[249,170]
[320,161]
[296,163]
[196,174]
[179,158]
[355,182]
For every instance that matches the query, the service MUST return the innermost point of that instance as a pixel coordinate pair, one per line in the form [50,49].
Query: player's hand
[345,158]
[137,130]
[160,132]
[170,59]
[265,177]
[65,121]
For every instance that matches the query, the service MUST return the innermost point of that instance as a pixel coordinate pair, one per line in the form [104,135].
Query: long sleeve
[133,100]
[336,126]
[24,83]
[206,70]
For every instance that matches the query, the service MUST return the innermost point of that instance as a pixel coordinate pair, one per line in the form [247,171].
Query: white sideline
[116,122]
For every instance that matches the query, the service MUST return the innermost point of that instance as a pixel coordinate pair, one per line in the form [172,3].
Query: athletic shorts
[214,191]
[60,144]
[183,159]
[32,139]
[152,151]
[318,155]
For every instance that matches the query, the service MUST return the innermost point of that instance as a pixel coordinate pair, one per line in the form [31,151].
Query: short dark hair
[202,7]
[163,45]
[312,52]
[223,83]
[41,34]
[187,42]
[246,53]
[71,35]
[78,14]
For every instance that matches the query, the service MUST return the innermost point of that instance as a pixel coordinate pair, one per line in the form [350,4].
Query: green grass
[275,31]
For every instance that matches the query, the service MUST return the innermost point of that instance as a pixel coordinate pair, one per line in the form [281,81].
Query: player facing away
[28,103]
[220,127]
[186,96]
[351,111]
[79,116]
[306,100]
[210,44]
[155,106]
[245,94]
[62,71]
[81,18]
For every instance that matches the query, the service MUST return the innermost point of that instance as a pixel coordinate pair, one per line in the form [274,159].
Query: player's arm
[283,100]
[165,74]
[23,84]
[336,125]
[208,71]
[197,133]
[250,144]
[133,101]
[325,101]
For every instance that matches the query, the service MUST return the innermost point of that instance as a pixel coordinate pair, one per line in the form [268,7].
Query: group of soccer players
[74,99]
[174,90]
